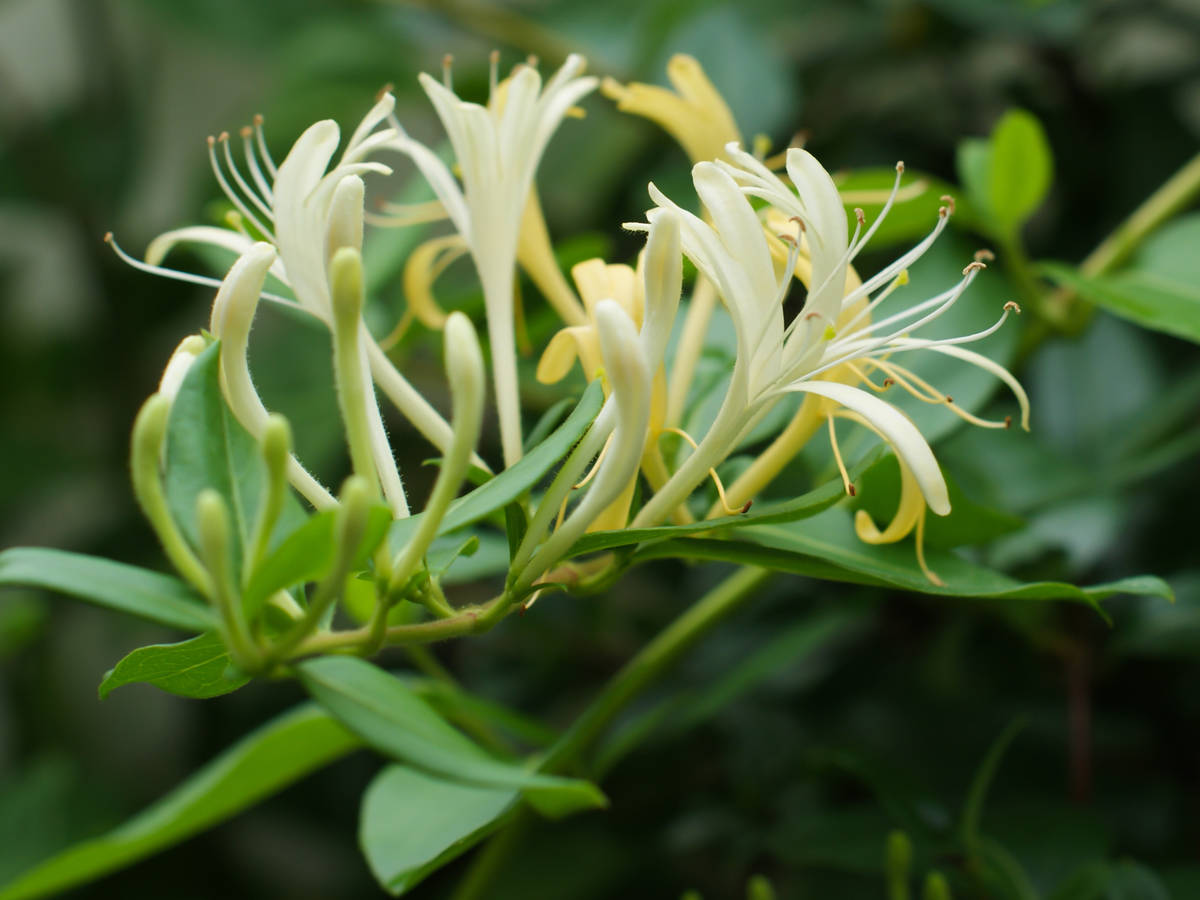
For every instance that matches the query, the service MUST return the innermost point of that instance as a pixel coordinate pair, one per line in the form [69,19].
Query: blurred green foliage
[804,733]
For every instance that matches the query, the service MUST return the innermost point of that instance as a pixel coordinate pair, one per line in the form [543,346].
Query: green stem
[1176,193]
[699,619]
[637,674]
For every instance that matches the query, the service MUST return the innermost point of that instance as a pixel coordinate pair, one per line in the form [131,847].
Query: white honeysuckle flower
[307,209]
[497,148]
[232,315]
[178,365]
[834,330]
[620,428]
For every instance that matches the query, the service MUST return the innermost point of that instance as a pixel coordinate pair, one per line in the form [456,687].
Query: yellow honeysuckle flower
[695,113]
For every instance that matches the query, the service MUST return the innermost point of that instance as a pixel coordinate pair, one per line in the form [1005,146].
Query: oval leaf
[128,589]
[197,668]
[394,720]
[261,764]
[411,823]
[1021,167]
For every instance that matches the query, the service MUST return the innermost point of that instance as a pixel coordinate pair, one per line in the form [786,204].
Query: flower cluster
[765,226]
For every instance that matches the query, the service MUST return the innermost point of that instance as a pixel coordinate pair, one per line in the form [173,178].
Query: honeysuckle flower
[232,315]
[695,113]
[178,365]
[631,354]
[698,118]
[834,330]
[620,429]
[307,210]
[497,148]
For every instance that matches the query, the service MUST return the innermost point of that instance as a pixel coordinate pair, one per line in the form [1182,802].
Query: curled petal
[896,428]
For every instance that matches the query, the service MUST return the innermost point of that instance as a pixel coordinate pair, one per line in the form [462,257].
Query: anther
[852,490]
[746,508]
[211,140]
[245,131]
[799,139]
[258,119]
[949,399]
[1012,306]
[984,255]
[532,61]
[108,237]
[1008,421]
[975,266]
[223,137]
[860,215]
[943,212]
[949,201]
[787,239]
[888,382]
[900,167]
[494,58]
[384,91]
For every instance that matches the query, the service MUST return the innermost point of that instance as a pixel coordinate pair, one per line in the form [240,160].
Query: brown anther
[1008,421]
[532,61]
[1012,306]
[949,201]
[799,223]
[223,136]
[943,212]
[211,140]
[799,139]
[380,204]
[812,315]
[108,237]
[900,167]
[746,508]
[949,399]
[860,215]
[384,91]
[246,131]
[975,266]
[887,382]
[258,118]
[984,255]
[448,60]
[851,490]
[787,239]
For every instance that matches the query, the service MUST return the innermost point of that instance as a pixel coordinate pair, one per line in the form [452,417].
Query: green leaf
[394,720]
[128,589]
[308,552]
[826,546]
[277,754]
[208,448]
[199,668]
[1141,297]
[411,824]
[1021,168]
[513,481]
[973,160]
[802,507]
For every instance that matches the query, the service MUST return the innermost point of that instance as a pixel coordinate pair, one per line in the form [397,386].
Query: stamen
[860,215]
[262,146]
[493,73]
[229,192]
[447,76]
[975,266]
[177,275]
[403,214]
[920,541]
[241,182]
[595,465]
[837,455]
[949,201]
[1012,306]
[712,473]
[384,91]
[256,173]
[984,255]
